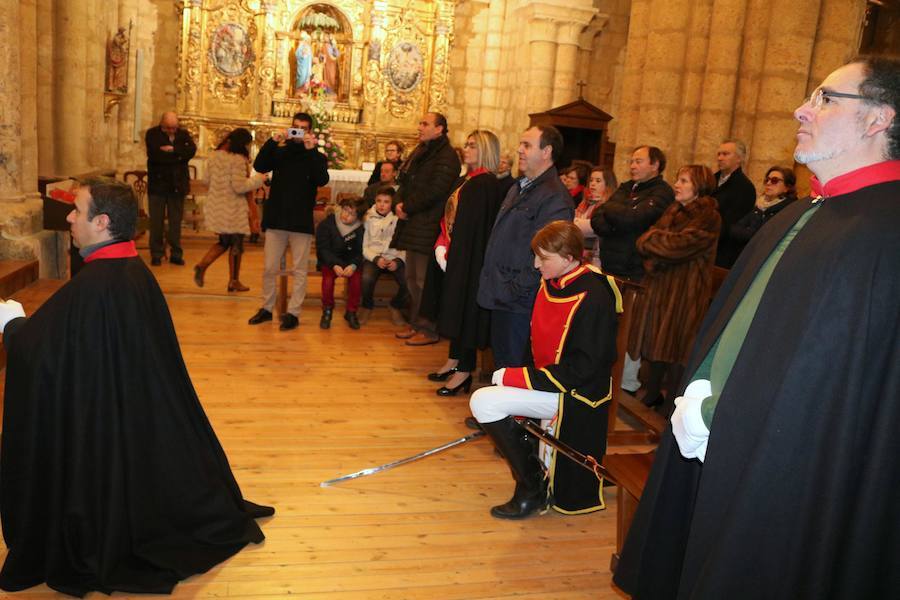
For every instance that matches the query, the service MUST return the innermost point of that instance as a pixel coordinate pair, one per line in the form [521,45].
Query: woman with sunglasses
[779,190]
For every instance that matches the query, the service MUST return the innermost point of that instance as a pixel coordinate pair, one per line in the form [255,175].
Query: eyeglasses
[773,180]
[821,96]
[471,145]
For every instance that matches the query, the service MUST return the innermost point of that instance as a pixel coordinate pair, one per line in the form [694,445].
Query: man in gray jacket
[509,280]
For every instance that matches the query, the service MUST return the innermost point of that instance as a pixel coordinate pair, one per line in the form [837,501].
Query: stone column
[491,113]
[46,71]
[541,64]
[782,87]
[10,104]
[632,79]
[70,53]
[720,80]
[564,90]
[28,108]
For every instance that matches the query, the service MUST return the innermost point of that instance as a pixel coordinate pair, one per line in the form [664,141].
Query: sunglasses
[773,180]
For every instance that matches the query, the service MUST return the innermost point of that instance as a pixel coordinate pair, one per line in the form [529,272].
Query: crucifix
[581,84]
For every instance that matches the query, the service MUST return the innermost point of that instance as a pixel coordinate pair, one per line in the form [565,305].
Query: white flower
[322,143]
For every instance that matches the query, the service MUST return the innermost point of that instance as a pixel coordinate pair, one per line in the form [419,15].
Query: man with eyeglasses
[735,194]
[779,478]
[111,477]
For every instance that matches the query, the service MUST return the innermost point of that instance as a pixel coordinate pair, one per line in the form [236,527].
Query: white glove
[10,310]
[440,255]
[497,377]
[690,431]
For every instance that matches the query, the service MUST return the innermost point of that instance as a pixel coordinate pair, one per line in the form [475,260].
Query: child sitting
[381,258]
[339,240]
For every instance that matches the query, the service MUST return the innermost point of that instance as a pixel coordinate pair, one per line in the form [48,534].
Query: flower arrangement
[319,103]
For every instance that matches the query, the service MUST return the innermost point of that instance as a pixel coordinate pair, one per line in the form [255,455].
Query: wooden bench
[629,472]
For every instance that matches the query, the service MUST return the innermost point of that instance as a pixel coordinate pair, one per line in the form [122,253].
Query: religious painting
[231,50]
[117,61]
[320,56]
[405,66]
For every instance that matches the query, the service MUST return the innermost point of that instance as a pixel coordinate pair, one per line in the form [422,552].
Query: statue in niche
[304,55]
[117,62]
[320,58]
[331,73]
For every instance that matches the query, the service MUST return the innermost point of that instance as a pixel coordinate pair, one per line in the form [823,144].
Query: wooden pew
[650,421]
[629,472]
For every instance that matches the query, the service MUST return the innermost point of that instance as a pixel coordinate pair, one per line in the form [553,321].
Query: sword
[403,461]
[588,462]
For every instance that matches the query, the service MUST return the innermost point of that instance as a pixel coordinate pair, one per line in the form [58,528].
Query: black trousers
[370,274]
[161,207]
[467,357]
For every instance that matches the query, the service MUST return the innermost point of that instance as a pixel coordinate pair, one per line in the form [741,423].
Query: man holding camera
[298,169]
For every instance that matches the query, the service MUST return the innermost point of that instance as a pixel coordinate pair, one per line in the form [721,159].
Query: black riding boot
[514,443]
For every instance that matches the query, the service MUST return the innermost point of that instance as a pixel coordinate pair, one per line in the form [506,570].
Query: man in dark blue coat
[509,280]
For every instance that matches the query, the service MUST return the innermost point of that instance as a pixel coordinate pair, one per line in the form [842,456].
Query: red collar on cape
[882,172]
[118,250]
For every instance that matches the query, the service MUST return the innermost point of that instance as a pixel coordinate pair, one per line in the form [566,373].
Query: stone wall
[699,72]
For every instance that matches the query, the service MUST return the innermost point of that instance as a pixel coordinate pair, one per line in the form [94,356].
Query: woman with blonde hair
[452,282]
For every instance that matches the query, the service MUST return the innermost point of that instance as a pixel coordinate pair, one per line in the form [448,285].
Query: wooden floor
[293,409]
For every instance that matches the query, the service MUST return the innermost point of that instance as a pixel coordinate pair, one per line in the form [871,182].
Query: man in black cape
[797,495]
[111,477]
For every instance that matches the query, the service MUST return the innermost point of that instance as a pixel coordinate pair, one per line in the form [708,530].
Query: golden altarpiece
[372,67]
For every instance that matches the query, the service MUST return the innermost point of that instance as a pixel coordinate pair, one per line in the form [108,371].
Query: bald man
[169,148]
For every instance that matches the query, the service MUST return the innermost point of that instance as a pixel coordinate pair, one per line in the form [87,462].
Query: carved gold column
[372,89]
[267,58]
[191,77]
[440,68]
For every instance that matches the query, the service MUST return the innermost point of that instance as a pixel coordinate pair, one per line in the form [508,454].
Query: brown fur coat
[678,250]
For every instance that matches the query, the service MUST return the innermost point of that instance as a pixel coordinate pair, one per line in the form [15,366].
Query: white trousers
[493,403]
[277,241]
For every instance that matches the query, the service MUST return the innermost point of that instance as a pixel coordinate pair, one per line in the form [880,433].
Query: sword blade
[403,461]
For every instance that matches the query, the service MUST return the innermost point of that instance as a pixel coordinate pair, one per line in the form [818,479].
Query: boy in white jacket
[381,258]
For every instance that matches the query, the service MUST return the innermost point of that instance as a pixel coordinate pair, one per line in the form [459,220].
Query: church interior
[81,81]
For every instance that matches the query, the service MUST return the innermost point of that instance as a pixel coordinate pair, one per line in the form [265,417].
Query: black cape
[111,477]
[451,298]
[799,497]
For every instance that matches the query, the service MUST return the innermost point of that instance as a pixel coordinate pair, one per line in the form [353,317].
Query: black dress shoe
[442,376]
[472,423]
[261,316]
[325,321]
[465,386]
[351,319]
[177,260]
[155,261]
[288,322]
